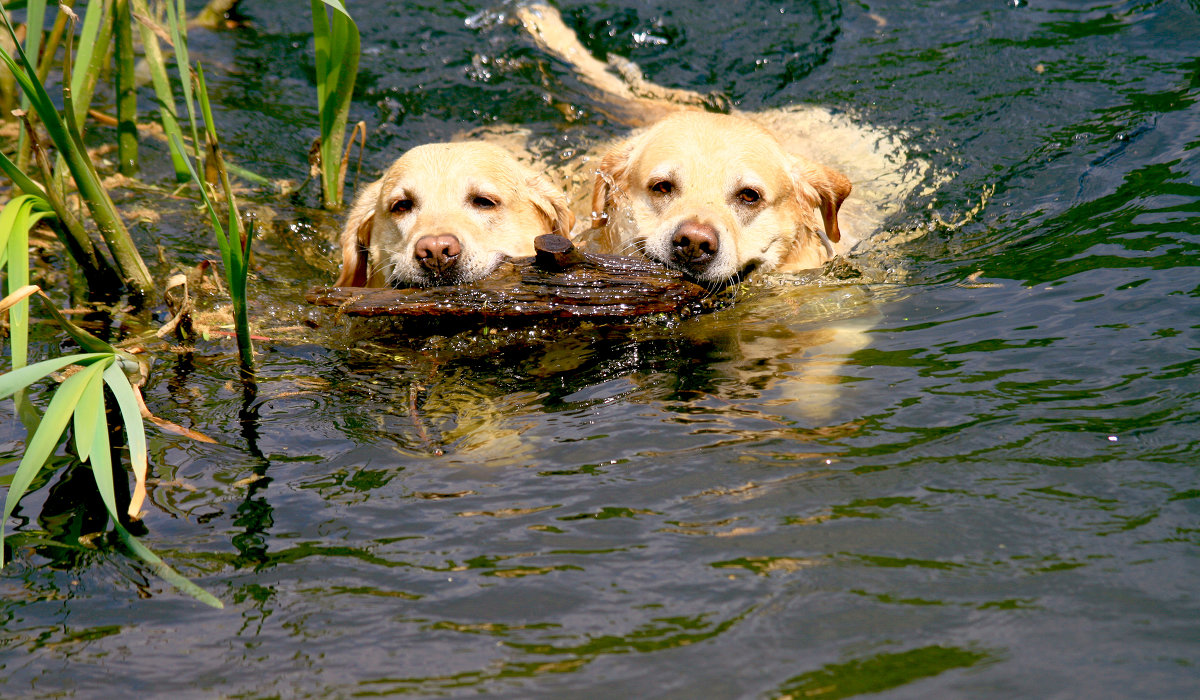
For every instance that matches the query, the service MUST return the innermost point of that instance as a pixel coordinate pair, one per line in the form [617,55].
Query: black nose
[694,244]
[438,254]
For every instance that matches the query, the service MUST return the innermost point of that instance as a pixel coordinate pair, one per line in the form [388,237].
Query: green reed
[234,240]
[78,403]
[336,43]
[64,132]
[161,81]
[126,84]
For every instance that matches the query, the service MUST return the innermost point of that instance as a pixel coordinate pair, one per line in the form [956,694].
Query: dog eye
[483,202]
[749,195]
[662,187]
[402,206]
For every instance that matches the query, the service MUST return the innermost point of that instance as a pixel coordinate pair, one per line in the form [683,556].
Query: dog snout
[438,254]
[694,244]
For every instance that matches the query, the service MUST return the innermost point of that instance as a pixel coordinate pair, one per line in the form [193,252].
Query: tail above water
[623,92]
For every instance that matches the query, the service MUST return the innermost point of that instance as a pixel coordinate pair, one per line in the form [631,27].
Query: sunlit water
[997,496]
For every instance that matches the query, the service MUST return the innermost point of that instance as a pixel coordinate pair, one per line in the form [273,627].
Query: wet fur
[443,184]
[803,162]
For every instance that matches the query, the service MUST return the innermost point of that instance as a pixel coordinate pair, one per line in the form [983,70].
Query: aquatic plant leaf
[19,178]
[16,220]
[66,137]
[102,472]
[337,44]
[84,418]
[162,84]
[86,340]
[165,572]
[11,382]
[95,443]
[126,89]
[46,439]
[232,258]
[94,38]
[178,29]
[35,20]
[135,432]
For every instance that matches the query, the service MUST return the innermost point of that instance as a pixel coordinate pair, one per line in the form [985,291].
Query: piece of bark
[558,282]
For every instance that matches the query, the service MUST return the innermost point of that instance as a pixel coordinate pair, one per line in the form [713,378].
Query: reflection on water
[962,464]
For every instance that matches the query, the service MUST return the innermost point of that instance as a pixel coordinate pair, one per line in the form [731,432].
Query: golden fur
[718,196]
[721,195]
[447,213]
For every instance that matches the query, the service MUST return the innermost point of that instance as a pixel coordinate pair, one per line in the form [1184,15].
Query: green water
[996,497]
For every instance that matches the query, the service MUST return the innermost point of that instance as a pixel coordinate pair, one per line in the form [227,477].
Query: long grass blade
[233,242]
[336,43]
[214,152]
[35,20]
[176,18]
[11,382]
[162,86]
[89,412]
[52,41]
[102,472]
[92,263]
[69,142]
[94,38]
[135,432]
[16,220]
[214,220]
[86,340]
[19,178]
[87,181]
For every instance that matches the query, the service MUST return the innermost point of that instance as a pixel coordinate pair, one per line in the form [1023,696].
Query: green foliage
[16,219]
[79,403]
[162,88]
[233,241]
[336,42]
[79,400]
[65,133]
[126,84]
[77,414]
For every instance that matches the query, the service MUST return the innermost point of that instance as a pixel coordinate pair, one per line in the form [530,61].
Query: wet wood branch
[559,282]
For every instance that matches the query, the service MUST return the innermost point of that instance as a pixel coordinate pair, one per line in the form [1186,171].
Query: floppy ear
[831,188]
[356,238]
[614,166]
[552,203]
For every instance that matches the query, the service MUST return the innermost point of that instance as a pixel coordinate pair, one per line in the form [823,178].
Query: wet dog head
[717,196]
[447,213]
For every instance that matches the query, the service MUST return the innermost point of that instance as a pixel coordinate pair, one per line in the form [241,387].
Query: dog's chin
[703,274]
[460,274]
[422,280]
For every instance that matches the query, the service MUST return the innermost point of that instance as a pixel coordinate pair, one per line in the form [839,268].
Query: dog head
[717,196]
[447,213]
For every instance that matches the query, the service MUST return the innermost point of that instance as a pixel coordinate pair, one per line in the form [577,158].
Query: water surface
[995,497]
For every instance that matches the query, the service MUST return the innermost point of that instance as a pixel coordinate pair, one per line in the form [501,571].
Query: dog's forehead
[711,147]
[454,169]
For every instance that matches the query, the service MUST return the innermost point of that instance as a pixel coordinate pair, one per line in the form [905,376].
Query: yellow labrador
[717,196]
[447,213]
[721,195]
